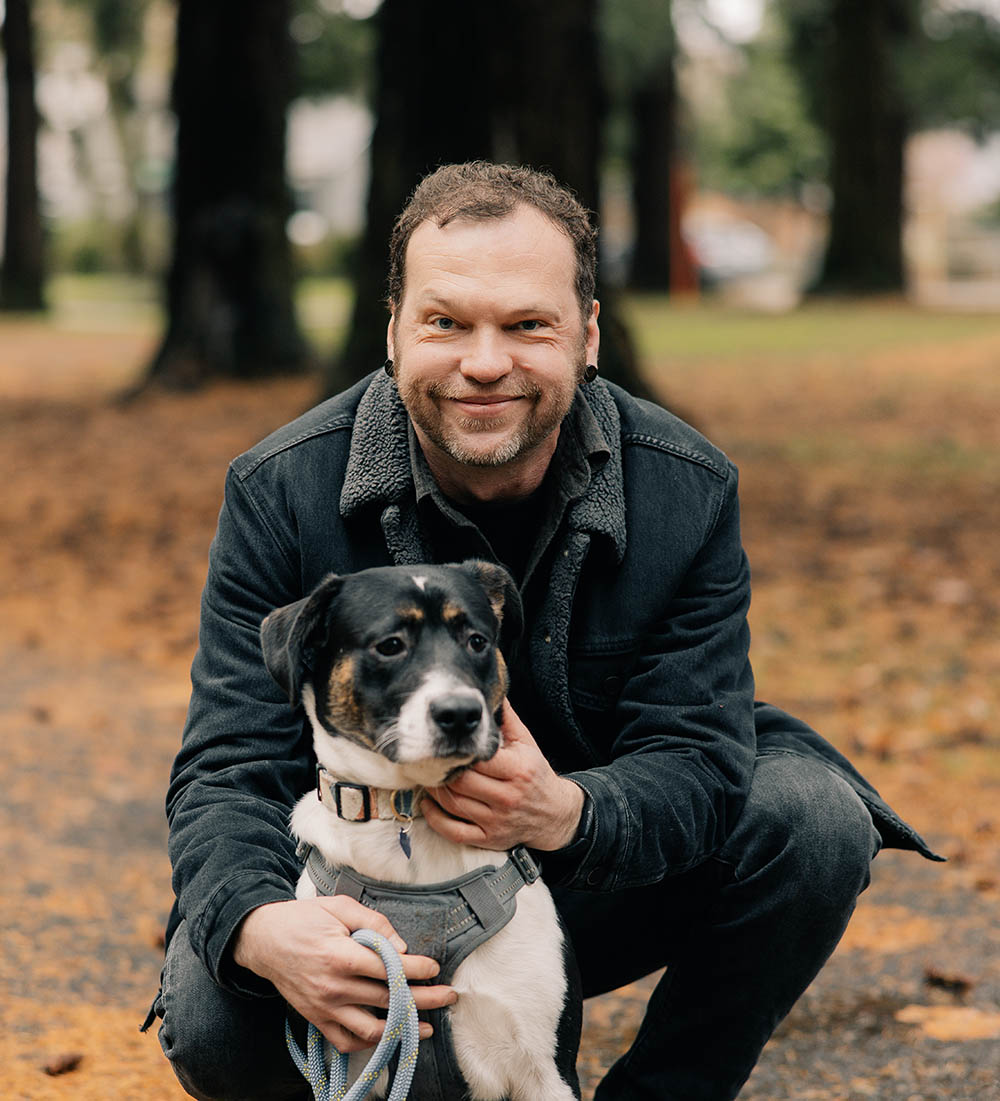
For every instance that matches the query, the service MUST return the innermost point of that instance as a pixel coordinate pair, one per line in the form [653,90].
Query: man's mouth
[487,406]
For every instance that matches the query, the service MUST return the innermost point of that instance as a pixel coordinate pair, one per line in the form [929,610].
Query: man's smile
[486,407]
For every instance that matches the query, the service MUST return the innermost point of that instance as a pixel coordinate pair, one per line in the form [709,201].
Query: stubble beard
[453,437]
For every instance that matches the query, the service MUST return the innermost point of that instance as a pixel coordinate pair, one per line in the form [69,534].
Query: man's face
[488,340]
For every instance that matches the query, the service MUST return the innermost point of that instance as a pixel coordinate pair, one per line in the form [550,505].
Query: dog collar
[360,803]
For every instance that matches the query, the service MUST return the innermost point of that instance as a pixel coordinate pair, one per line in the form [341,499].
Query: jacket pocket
[596,680]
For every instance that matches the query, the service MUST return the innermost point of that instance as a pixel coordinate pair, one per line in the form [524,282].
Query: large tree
[850,54]
[534,98]
[428,111]
[229,290]
[21,278]
[641,54]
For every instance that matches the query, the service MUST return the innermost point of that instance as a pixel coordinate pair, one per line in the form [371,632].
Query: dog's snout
[457,716]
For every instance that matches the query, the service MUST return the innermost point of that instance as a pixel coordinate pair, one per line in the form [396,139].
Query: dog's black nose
[457,716]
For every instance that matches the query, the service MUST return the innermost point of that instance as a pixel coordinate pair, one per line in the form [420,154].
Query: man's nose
[486,359]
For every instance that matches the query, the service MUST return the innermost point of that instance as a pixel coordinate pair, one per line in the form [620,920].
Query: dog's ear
[504,598]
[290,637]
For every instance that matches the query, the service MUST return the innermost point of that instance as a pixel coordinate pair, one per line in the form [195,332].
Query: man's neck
[467,484]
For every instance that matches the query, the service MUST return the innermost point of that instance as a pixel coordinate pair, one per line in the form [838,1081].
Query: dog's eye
[478,643]
[390,647]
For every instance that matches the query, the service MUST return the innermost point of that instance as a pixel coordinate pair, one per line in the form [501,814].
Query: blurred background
[751,152]
[799,204]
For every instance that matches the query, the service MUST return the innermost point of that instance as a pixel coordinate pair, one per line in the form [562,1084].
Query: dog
[400,672]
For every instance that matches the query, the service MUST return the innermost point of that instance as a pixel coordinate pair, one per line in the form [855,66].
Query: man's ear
[291,636]
[390,337]
[503,596]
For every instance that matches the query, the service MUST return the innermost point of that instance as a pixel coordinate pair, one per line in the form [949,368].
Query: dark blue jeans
[741,936]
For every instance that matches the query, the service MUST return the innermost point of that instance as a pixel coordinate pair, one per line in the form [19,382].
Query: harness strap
[482,896]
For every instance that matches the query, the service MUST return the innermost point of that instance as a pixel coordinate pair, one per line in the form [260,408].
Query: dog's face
[404,661]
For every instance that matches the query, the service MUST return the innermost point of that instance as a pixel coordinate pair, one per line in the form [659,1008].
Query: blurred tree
[414,133]
[951,73]
[850,55]
[21,276]
[117,30]
[229,290]
[762,139]
[335,50]
[641,50]
[532,98]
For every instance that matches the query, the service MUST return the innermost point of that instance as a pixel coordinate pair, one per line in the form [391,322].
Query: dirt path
[875,616]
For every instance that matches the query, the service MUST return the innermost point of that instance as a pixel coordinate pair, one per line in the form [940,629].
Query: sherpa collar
[379,469]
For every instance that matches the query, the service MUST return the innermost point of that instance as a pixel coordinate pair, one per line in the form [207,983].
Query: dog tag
[404,843]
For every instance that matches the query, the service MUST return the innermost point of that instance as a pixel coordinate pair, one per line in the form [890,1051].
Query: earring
[590,373]
[388,367]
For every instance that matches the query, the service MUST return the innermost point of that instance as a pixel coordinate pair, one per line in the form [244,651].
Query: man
[679,823]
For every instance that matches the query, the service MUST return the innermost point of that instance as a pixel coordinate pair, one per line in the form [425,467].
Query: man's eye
[478,643]
[445,324]
[390,647]
[531,325]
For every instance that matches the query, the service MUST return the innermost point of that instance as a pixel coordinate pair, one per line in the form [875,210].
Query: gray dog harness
[445,921]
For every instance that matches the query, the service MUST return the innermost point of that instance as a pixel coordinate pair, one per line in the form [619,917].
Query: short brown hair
[480,190]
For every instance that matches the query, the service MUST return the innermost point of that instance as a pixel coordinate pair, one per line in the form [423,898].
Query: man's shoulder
[648,425]
[336,414]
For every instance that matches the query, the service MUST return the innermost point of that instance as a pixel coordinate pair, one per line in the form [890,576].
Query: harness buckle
[525,864]
[365,813]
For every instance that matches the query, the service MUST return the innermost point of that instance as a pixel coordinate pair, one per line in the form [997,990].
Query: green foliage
[636,37]
[762,141]
[117,34]
[951,75]
[335,52]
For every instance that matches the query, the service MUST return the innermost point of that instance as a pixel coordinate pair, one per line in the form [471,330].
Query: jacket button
[594,878]
[613,684]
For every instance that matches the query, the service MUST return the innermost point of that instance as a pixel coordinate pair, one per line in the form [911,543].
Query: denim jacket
[637,646]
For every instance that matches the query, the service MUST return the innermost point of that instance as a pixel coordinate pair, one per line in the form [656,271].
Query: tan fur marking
[411,613]
[501,686]
[450,612]
[343,711]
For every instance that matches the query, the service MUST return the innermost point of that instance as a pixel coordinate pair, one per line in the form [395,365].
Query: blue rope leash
[400,1029]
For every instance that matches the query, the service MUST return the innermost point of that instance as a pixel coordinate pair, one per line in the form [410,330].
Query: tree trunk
[653,141]
[535,98]
[867,127]
[21,277]
[428,112]
[560,107]
[229,291]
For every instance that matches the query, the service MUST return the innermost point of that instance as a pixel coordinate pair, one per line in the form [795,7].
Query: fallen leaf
[950,981]
[952,1022]
[63,1064]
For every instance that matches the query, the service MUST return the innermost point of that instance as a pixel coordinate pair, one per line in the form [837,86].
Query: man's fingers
[354,916]
[433,997]
[352,1029]
[355,1027]
[452,828]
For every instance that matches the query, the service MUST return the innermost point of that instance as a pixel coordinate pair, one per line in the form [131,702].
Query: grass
[683,334]
[705,331]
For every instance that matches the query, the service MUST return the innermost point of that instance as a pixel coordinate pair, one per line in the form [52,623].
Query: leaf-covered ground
[869,446]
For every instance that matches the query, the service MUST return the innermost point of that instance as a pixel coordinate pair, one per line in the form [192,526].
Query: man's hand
[514,798]
[304,947]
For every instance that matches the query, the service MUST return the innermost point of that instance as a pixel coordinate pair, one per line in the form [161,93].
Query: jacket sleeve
[245,756]
[682,742]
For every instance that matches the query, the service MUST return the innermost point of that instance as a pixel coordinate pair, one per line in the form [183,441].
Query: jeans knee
[222,1047]
[807,823]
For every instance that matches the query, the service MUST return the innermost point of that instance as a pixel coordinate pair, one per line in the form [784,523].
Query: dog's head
[405,661]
